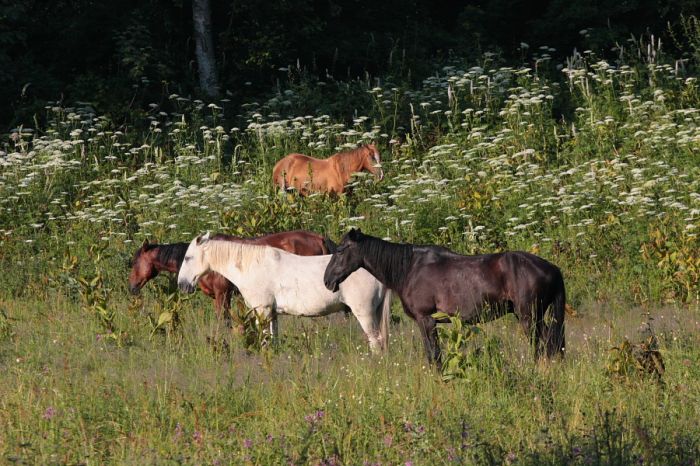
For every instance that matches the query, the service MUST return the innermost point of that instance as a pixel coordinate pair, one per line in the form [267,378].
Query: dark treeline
[121,55]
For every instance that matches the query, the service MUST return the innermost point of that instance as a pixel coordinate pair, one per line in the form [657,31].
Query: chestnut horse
[429,279]
[307,174]
[151,259]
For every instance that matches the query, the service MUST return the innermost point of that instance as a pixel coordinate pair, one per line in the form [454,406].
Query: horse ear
[354,233]
[203,239]
[145,243]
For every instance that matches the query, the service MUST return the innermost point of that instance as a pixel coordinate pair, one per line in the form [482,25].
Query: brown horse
[151,259]
[307,174]
[475,288]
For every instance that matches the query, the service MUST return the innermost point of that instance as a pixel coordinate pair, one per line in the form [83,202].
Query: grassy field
[195,396]
[591,164]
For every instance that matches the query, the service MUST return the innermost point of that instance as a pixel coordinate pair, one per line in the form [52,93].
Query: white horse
[273,281]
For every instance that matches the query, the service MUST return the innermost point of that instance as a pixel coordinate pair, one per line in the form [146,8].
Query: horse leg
[428,330]
[226,303]
[218,304]
[554,331]
[222,305]
[527,312]
[240,312]
[371,329]
[274,327]
[269,313]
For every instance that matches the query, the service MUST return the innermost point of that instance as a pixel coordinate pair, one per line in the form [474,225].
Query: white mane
[222,252]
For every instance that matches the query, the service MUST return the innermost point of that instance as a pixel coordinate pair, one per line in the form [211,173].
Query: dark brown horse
[151,259]
[429,279]
[307,174]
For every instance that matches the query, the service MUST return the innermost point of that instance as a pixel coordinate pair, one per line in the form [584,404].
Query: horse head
[372,161]
[345,260]
[194,265]
[143,268]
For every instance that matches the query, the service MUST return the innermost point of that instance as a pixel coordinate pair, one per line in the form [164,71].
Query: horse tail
[384,319]
[556,341]
[329,246]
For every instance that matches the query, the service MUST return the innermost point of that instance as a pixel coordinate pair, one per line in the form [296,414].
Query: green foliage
[634,361]
[454,342]
[95,296]
[255,331]
[631,360]
[168,312]
[5,326]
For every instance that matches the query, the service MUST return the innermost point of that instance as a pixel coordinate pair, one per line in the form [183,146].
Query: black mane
[392,260]
[174,251]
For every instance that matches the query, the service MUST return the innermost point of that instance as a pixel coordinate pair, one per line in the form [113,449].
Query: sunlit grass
[72,395]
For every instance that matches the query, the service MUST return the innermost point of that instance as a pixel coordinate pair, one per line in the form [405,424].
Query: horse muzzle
[332,285]
[185,286]
[135,288]
[380,174]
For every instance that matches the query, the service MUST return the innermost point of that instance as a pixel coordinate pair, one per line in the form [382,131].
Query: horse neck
[388,262]
[169,257]
[349,163]
[231,269]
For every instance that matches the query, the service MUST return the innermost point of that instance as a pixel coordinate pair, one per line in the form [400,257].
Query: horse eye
[187,258]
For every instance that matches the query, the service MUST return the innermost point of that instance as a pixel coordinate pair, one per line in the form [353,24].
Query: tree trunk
[204,47]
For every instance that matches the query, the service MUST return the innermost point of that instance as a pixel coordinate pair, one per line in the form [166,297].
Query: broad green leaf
[164,318]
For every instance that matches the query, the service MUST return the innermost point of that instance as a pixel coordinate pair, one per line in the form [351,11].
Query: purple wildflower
[178,431]
[388,440]
[197,436]
[331,461]
[314,417]
[49,413]
[247,443]
[451,454]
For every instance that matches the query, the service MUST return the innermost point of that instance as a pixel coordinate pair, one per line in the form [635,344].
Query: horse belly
[301,292]
[308,304]
[455,294]
[474,307]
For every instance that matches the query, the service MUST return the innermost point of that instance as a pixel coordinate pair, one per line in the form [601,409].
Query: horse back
[289,166]
[299,242]
[451,281]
